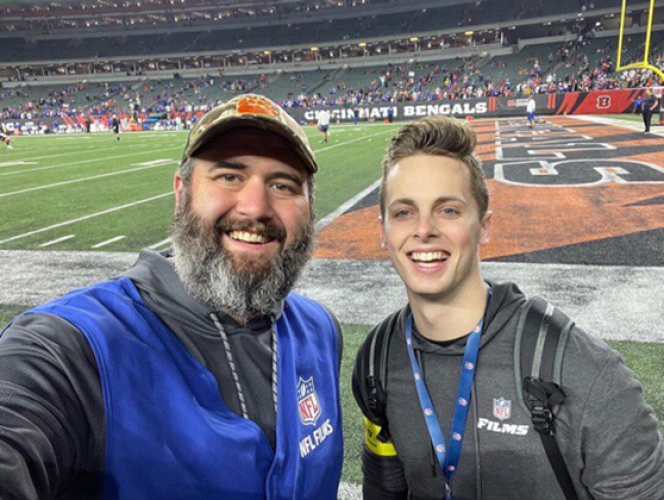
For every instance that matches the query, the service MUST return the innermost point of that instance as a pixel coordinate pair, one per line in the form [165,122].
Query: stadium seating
[314,32]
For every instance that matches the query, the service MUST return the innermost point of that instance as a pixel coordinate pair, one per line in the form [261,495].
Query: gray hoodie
[606,432]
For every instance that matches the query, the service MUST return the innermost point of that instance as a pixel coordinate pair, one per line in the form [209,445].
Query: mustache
[268,230]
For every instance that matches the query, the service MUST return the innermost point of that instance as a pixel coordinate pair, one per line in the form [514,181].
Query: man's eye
[400,214]
[287,188]
[229,177]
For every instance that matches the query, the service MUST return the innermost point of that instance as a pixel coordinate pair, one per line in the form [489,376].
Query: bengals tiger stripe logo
[603,102]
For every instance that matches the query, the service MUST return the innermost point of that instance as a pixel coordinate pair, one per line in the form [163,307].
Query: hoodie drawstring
[236,378]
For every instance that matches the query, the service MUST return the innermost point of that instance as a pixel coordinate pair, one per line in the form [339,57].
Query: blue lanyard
[448,460]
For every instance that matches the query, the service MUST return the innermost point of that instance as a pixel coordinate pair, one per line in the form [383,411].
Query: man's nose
[253,201]
[426,228]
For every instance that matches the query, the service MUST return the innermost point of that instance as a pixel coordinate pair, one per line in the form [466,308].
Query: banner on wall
[594,102]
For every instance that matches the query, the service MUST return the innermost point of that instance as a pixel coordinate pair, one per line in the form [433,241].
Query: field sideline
[109,199]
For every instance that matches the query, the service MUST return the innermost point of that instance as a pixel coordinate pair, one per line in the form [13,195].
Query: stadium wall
[594,102]
[572,103]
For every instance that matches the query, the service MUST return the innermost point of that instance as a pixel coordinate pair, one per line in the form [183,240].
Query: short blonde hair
[438,136]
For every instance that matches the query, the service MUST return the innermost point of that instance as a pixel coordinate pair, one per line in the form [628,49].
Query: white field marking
[168,149]
[70,138]
[93,160]
[162,161]
[74,181]
[329,218]
[617,122]
[160,244]
[15,163]
[161,134]
[86,217]
[108,242]
[53,242]
[352,140]
[499,147]
[77,151]
[350,491]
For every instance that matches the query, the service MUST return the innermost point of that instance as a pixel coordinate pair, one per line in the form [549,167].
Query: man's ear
[178,186]
[383,233]
[485,235]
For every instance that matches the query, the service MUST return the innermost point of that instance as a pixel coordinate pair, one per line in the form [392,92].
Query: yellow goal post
[645,63]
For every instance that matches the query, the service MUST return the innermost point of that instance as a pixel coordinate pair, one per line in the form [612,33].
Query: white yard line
[329,218]
[73,152]
[352,140]
[108,242]
[85,217]
[93,160]
[159,244]
[83,179]
[617,122]
[53,242]
[16,163]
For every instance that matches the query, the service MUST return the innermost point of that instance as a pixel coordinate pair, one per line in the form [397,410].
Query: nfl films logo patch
[502,408]
[307,401]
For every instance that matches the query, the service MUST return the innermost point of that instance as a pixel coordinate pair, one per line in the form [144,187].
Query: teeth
[428,256]
[248,237]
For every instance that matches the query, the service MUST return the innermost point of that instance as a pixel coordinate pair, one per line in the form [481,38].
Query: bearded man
[196,374]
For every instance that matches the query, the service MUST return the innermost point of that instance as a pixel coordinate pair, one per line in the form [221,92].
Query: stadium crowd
[464,79]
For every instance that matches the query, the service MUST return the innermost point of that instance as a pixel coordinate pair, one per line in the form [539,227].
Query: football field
[578,219]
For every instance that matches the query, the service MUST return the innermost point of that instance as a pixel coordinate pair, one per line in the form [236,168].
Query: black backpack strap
[539,350]
[370,375]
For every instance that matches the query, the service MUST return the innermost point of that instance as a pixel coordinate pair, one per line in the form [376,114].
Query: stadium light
[414,39]
[362,44]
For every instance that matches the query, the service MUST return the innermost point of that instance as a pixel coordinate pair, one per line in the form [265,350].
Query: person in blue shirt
[638,105]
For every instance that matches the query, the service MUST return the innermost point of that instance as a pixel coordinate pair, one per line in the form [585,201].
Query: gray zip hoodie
[606,432]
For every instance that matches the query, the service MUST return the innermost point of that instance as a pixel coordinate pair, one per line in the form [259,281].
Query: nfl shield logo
[502,408]
[307,401]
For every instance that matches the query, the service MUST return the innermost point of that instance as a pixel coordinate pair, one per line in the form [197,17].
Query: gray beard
[209,274]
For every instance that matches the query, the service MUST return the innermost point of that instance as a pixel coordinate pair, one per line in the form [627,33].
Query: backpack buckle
[542,418]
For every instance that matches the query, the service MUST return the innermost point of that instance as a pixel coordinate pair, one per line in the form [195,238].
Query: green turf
[353,428]
[7,312]
[62,179]
[645,359]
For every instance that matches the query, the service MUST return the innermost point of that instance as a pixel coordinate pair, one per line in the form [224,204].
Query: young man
[324,123]
[530,109]
[455,425]
[650,107]
[196,374]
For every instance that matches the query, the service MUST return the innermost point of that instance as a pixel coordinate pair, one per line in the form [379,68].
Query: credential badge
[307,401]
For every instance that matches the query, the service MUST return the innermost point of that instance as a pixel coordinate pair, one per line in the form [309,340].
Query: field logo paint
[308,402]
[578,173]
[528,162]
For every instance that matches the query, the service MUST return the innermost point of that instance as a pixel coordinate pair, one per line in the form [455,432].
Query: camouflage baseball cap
[250,111]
